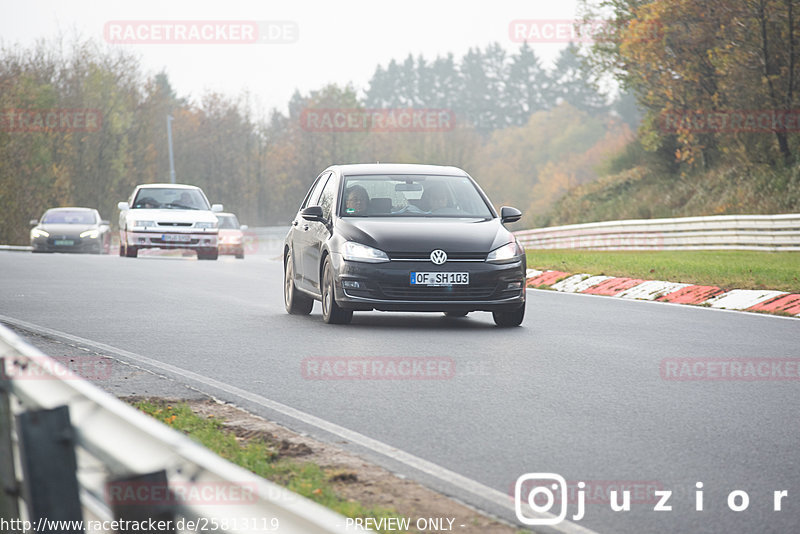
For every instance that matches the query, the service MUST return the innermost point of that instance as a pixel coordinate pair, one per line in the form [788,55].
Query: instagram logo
[536,490]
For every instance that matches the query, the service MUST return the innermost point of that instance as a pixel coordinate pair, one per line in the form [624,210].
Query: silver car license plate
[177,238]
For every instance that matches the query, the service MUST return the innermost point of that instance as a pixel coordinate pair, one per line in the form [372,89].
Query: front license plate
[439,279]
[178,238]
[63,242]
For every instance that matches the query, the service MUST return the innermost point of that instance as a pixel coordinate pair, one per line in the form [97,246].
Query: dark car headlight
[91,234]
[507,253]
[357,252]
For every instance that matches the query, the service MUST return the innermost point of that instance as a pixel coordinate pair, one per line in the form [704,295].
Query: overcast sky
[336,41]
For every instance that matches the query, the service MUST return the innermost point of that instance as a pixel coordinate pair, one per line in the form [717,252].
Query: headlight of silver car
[205,225]
[37,232]
[506,253]
[357,252]
[144,224]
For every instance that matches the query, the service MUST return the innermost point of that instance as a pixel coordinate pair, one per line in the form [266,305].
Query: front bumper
[66,244]
[171,240]
[386,286]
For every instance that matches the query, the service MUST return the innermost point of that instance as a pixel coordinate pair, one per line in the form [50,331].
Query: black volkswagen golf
[390,237]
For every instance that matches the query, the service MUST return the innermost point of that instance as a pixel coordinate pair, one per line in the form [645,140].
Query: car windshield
[228,222]
[167,198]
[412,196]
[69,217]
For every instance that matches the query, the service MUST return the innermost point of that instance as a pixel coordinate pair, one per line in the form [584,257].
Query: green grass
[727,269]
[308,479]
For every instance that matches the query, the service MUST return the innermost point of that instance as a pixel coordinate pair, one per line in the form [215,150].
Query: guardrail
[71,452]
[723,232]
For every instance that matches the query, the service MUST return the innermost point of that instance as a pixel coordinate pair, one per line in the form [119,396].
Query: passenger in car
[356,200]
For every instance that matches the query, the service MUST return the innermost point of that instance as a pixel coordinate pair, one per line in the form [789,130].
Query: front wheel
[210,254]
[509,318]
[296,303]
[331,312]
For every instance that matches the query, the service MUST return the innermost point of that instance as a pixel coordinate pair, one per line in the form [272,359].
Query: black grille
[451,256]
[159,241]
[437,293]
[174,224]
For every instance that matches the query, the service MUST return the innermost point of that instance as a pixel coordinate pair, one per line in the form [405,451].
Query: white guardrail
[733,232]
[115,448]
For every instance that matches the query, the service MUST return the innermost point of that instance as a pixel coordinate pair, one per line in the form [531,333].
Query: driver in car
[185,200]
[435,197]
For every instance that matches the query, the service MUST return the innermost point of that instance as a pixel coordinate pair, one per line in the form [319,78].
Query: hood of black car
[69,230]
[418,236]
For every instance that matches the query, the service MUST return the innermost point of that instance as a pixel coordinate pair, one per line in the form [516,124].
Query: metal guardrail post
[9,487]
[49,466]
[156,502]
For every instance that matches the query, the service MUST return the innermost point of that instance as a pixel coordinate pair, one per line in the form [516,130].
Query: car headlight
[36,232]
[357,252]
[144,224]
[205,225]
[91,234]
[506,253]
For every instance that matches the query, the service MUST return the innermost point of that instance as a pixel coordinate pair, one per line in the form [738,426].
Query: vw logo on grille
[438,256]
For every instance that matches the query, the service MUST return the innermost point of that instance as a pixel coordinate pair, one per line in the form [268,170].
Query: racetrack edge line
[445,475]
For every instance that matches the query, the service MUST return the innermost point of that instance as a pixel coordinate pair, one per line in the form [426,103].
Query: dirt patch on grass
[352,477]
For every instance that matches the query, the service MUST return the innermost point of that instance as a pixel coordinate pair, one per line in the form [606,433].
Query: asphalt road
[576,390]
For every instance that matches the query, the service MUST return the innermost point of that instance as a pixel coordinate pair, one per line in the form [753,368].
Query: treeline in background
[545,140]
[705,58]
[526,133]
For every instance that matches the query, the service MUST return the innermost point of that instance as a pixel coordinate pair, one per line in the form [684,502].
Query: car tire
[296,303]
[210,254]
[509,318]
[331,312]
[455,313]
[240,254]
[131,252]
[121,250]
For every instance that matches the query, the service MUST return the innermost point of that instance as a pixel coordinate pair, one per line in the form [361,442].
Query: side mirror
[509,214]
[123,206]
[33,222]
[243,227]
[312,213]
[216,208]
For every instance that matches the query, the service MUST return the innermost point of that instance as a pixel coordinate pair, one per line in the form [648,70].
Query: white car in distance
[168,216]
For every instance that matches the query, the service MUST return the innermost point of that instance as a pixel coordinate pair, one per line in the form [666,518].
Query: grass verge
[262,458]
[728,269]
